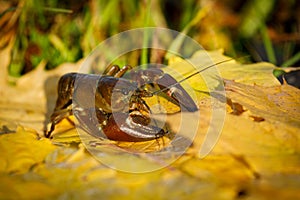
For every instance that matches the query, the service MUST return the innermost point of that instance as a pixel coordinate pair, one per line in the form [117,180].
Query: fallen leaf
[256,155]
[22,150]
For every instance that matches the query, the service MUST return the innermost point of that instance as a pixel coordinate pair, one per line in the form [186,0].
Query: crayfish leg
[122,71]
[115,70]
[57,117]
[111,70]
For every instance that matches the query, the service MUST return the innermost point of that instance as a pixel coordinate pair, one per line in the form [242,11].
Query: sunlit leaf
[22,150]
[256,156]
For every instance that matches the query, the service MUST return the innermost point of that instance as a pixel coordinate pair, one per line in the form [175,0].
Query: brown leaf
[276,103]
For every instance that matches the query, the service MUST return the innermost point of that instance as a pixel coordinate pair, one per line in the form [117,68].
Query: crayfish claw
[175,91]
[121,127]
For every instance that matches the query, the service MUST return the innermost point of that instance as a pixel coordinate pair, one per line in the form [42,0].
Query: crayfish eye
[124,91]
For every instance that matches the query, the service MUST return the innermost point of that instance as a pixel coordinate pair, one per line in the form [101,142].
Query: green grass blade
[181,37]
[144,56]
[58,10]
[268,45]
[292,60]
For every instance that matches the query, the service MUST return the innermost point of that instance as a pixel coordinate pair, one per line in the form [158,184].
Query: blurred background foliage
[59,31]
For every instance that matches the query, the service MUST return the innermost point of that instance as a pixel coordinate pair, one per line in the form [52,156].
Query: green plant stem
[292,60]
[144,56]
[268,45]
[288,63]
[58,10]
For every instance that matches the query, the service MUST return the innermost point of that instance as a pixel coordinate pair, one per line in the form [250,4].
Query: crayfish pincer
[113,105]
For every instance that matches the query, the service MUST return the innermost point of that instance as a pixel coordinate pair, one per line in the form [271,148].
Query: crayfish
[114,105]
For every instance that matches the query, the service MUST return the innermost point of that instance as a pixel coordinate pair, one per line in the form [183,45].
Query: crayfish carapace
[118,104]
